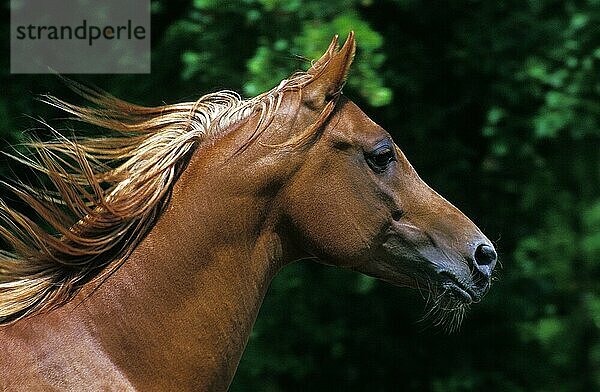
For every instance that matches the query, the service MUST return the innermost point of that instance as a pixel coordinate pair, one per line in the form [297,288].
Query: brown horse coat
[299,172]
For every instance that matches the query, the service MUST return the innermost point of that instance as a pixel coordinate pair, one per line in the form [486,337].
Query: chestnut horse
[159,241]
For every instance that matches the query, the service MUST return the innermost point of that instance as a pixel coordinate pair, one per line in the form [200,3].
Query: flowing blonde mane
[107,192]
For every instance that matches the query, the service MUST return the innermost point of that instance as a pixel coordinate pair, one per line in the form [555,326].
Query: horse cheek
[334,221]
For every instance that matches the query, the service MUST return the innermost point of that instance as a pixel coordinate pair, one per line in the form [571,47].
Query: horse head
[356,201]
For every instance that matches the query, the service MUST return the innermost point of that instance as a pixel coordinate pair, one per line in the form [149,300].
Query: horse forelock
[109,191]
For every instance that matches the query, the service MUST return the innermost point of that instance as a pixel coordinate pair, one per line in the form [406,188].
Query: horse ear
[329,72]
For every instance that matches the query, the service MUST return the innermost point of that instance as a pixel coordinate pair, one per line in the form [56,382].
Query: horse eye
[380,159]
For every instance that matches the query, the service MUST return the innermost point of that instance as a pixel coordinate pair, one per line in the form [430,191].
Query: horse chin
[445,309]
[446,300]
[448,293]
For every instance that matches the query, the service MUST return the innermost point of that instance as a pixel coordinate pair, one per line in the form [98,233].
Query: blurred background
[496,104]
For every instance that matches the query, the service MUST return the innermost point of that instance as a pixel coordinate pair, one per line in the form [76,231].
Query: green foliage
[497,106]
[284,29]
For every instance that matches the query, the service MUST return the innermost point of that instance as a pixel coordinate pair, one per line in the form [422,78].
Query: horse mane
[106,193]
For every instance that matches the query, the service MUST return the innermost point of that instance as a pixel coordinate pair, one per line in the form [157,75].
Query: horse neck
[189,294]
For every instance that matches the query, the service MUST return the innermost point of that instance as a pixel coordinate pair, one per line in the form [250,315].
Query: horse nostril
[485,255]
[485,258]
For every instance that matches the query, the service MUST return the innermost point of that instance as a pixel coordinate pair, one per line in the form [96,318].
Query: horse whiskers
[441,310]
[421,292]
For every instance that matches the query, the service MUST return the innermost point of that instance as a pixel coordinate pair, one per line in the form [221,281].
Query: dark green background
[496,103]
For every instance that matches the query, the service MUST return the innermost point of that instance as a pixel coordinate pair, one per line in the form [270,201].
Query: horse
[155,244]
